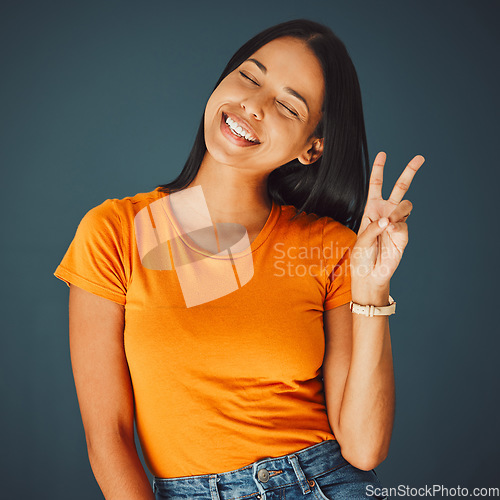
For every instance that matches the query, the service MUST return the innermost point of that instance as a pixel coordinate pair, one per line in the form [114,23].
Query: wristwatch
[374,310]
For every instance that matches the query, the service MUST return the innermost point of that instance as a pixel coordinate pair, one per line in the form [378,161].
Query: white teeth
[240,130]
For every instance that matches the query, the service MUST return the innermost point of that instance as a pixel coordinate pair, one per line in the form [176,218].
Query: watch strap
[370,310]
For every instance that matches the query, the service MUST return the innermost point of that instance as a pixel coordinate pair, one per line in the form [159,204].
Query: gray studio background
[102,100]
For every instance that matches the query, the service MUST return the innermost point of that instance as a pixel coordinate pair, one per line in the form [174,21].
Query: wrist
[378,297]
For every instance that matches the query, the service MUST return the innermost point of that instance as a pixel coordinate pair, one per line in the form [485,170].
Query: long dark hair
[336,185]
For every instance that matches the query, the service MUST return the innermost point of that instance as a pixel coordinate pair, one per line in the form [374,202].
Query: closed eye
[248,78]
[288,109]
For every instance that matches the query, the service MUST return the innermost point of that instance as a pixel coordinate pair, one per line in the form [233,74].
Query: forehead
[291,63]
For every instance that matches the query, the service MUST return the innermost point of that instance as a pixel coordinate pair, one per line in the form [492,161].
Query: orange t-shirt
[224,349]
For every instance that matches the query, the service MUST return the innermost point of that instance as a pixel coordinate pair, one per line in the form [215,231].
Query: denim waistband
[299,467]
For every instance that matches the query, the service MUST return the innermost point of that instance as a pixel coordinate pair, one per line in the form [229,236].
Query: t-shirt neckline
[256,243]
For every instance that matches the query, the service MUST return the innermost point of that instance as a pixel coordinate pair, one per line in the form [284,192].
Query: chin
[222,152]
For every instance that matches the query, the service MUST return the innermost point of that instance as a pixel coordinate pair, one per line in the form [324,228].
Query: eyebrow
[287,89]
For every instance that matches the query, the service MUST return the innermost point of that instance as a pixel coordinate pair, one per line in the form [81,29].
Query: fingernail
[383,222]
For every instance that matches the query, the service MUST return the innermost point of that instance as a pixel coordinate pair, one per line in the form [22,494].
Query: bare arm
[359,384]
[105,395]
[358,366]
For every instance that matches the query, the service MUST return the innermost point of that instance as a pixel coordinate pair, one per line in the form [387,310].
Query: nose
[253,106]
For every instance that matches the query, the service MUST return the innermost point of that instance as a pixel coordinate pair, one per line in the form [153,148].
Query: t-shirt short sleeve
[338,241]
[95,259]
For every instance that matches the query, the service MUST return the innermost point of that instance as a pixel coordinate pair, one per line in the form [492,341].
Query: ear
[313,153]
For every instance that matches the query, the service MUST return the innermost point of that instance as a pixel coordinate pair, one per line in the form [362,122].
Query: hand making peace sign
[378,250]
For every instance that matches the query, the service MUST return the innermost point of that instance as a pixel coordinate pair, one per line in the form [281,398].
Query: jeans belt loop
[304,484]
[214,492]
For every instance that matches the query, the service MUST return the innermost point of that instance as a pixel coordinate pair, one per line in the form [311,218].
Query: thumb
[369,235]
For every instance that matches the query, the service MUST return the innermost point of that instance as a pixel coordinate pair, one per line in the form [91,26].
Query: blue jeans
[316,472]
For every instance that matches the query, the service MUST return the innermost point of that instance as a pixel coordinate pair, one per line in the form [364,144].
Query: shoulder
[116,210]
[328,229]
[334,231]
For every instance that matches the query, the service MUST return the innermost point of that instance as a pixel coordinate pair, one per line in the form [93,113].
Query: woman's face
[275,96]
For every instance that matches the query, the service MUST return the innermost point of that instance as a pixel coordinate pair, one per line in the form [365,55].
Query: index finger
[377,177]
[403,183]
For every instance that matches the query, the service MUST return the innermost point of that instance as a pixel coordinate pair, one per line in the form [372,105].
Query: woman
[215,310]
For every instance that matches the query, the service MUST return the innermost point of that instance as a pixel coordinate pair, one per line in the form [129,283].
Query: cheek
[210,107]
[290,137]
[225,92]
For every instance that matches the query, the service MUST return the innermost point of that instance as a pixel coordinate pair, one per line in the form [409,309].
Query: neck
[232,194]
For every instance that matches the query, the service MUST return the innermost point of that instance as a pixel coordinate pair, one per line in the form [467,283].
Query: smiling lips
[237,129]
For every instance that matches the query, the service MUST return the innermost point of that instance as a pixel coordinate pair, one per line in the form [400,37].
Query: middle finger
[403,183]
